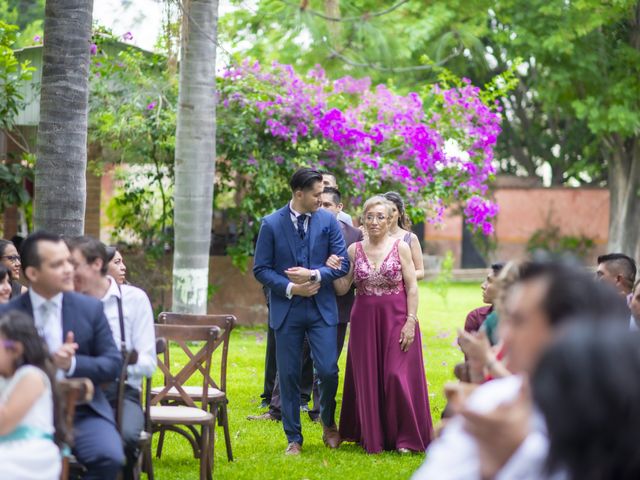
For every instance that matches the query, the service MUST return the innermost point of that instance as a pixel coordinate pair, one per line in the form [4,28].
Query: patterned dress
[385,404]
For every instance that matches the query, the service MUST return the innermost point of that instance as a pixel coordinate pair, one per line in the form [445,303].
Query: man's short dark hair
[497,267]
[91,249]
[304,179]
[29,256]
[620,264]
[335,194]
[573,294]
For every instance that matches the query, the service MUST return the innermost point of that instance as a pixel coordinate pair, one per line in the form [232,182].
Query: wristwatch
[313,277]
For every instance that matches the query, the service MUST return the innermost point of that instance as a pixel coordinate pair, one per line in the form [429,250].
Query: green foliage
[445,276]
[549,239]
[12,76]
[28,15]
[132,118]
[12,184]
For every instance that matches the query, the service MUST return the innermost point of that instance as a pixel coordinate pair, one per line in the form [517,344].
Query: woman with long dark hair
[31,423]
[401,229]
[10,258]
[116,267]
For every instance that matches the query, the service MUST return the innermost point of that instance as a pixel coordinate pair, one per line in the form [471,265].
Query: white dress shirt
[47,316]
[294,218]
[454,455]
[138,328]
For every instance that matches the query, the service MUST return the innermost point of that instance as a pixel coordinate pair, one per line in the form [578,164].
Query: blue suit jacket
[97,357]
[275,253]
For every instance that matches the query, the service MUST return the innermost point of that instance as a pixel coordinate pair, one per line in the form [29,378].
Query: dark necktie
[301,219]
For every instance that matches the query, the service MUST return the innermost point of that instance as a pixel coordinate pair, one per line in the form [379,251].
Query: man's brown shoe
[294,448]
[331,437]
[263,416]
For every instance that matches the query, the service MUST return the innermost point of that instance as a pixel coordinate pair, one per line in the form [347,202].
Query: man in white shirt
[498,434]
[80,341]
[129,313]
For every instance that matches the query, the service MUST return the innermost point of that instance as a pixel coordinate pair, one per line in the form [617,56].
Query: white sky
[143,18]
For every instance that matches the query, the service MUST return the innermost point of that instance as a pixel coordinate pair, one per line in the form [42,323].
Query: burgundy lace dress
[385,404]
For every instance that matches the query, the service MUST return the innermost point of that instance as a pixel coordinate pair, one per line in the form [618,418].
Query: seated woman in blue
[28,449]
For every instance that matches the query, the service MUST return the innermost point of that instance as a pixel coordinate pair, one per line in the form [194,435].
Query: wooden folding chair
[145,463]
[73,392]
[218,399]
[184,416]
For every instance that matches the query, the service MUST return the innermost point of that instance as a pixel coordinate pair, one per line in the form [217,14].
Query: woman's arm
[416,256]
[407,335]
[20,401]
[343,284]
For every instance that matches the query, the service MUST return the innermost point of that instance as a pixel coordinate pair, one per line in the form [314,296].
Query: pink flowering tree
[434,146]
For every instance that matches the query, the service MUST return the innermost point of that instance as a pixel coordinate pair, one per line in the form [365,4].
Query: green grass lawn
[258,447]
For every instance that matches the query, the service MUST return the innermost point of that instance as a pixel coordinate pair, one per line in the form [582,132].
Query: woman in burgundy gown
[385,404]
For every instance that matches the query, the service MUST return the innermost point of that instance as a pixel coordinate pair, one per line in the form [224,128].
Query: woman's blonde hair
[375,201]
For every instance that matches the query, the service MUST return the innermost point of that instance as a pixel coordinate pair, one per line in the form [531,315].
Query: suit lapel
[312,229]
[288,229]
[67,316]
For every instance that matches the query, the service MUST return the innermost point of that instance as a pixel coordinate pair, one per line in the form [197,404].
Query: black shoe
[265,403]
[304,407]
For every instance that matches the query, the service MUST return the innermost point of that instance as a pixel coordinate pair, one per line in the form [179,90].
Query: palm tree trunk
[624,188]
[60,183]
[195,156]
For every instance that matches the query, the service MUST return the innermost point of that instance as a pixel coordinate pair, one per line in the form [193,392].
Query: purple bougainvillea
[438,155]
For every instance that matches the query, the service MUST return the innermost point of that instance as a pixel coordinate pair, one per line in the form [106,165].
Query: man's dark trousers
[305,318]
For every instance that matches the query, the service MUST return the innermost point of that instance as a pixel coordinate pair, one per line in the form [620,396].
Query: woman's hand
[407,334]
[475,346]
[334,262]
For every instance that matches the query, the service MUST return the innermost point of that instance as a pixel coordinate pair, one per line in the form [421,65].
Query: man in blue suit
[292,248]
[81,345]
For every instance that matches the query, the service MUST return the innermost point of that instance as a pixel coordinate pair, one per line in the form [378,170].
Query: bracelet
[411,315]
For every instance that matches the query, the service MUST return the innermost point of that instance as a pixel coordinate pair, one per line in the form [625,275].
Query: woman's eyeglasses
[12,258]
[372,218]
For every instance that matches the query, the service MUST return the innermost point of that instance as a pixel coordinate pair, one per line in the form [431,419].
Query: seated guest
[9,258]
[597,438]
[130,316]
[31,422]
[634,306]
[115,265]
[483,354]
[80,341]
[619,270]
[537,307]
[476,317]
[5,284]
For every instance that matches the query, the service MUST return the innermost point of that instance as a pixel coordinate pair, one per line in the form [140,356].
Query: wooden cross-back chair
[73,392]
[145,462]
[184,416]
[217,395]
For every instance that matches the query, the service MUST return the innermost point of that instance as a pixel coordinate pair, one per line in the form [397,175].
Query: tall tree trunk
[332,9]
[624,188]
[195,156]
[60,184]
